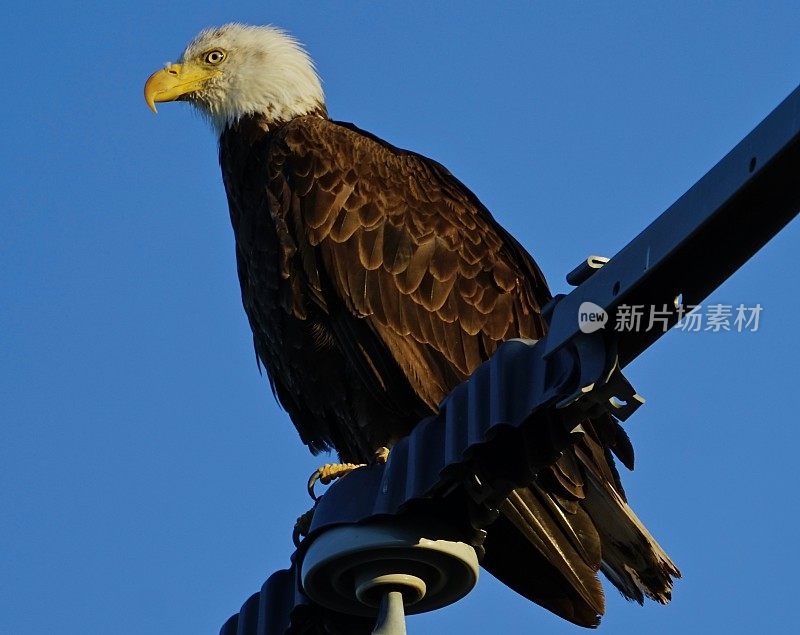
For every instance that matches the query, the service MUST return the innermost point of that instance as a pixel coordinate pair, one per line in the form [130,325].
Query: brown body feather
[374,283]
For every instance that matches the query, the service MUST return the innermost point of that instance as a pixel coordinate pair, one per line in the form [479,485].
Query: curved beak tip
[151,89]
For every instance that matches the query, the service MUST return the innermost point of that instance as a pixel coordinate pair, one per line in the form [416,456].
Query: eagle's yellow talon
[329,473]
[302,526]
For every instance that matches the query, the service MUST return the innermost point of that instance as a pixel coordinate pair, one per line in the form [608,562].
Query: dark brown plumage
[374,283]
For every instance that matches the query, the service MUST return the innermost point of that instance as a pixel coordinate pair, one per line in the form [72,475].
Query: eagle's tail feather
[550,560]
[553,536]
[632,559]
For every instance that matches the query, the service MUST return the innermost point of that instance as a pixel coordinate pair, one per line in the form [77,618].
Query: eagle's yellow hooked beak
[175,81]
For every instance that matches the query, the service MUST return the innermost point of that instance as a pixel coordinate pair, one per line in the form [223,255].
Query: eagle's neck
[267,121]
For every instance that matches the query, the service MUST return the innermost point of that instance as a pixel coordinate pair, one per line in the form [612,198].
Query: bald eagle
[375,282]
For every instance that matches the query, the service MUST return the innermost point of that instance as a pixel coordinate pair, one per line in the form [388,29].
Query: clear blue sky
[149,483]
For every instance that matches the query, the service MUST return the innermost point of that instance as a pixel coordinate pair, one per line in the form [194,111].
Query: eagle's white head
[238,70]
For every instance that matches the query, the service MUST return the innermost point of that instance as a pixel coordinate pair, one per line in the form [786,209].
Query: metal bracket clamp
[601,386]
[615,395]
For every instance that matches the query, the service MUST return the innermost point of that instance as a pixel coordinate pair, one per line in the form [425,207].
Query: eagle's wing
[413,255]
[407,248]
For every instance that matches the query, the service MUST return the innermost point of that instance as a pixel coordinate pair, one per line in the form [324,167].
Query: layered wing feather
[407,248]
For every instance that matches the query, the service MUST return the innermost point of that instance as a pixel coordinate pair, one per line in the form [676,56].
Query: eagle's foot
[329,473]
[332,471]
[302,526]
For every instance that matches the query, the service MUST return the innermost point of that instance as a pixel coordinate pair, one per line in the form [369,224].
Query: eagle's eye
[215,56]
